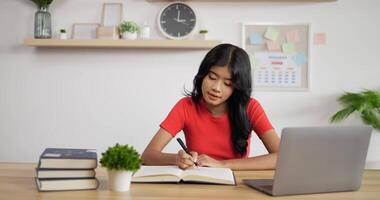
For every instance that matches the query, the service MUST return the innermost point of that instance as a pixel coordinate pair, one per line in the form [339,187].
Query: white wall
[93,98]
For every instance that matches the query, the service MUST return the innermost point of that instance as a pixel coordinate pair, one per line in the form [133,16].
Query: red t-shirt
[210,135]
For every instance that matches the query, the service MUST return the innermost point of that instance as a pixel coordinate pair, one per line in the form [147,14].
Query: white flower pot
[63,36]
[203,36]
[119,180]
[130,36]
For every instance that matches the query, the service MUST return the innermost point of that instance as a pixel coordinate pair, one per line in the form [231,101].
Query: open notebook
[174,174]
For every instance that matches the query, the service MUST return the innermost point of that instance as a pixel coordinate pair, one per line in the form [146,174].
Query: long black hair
[237,60]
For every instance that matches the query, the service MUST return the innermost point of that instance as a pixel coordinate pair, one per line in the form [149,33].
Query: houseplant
[121,161]
[365,103]
[129,30]
[203,34]
[42,19]
[62,34]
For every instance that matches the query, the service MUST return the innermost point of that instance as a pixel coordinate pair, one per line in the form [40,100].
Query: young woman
[217,118]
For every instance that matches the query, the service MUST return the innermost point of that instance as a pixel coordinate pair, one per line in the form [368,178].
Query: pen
[185,148]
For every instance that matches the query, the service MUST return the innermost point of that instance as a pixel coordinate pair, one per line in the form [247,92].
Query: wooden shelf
[103,43]
[278,1]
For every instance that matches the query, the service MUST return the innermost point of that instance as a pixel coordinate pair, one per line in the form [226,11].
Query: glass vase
[42,24]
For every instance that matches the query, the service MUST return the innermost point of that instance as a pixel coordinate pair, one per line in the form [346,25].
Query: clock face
[177,21]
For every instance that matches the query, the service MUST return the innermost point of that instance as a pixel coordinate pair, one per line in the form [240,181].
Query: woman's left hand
[207,161]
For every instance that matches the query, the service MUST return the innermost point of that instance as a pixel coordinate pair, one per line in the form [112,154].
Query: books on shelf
[61,158]
[61,184]
[209,175]
[61,169]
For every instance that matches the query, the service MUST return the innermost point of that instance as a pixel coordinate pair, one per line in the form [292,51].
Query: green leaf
[365,103]
[121,157]
[342,114]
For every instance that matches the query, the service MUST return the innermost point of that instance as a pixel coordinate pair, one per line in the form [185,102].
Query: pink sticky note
[319,38]
[273,46]
[292,36]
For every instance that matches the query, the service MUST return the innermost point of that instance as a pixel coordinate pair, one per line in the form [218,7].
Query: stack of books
[62,169]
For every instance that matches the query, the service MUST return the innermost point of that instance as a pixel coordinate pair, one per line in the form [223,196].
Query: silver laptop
[317,160]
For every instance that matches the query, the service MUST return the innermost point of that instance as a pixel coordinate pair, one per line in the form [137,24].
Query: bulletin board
[279,55]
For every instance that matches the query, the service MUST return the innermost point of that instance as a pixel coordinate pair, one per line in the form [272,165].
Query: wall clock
[177,21]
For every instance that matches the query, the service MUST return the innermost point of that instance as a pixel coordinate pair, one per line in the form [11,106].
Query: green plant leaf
[371,118]
[366,103]
[342,114]
[121,157]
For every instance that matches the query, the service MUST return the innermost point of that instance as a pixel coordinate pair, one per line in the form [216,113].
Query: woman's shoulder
[253,104]
[186,102]
[253,101]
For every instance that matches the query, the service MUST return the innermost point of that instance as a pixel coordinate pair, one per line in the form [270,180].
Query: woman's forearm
[262,162]
[158,158]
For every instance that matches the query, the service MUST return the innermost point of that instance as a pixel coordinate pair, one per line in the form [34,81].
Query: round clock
[177,21]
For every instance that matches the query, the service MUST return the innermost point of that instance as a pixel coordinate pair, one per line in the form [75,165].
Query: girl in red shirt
[217,118]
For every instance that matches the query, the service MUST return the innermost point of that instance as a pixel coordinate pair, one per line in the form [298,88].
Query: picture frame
[84,30]
[112,14]
[279,55]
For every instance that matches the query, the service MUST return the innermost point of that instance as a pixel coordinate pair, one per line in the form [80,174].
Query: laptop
[317,160]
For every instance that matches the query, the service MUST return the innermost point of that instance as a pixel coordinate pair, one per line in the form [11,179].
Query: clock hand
[178,16]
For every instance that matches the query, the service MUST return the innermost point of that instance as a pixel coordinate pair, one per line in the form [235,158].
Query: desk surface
[17,182]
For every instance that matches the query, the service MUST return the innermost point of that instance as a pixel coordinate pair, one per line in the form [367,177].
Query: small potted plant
[121,161]
[62,34]
[203,34]
[129,30]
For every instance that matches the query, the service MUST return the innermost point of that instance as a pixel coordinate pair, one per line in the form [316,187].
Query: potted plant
[62,34]
[129,30]
[203,34]
[121,161]
[42,19]
[365,103]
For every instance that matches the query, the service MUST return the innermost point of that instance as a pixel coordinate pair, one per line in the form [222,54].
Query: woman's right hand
[184,160]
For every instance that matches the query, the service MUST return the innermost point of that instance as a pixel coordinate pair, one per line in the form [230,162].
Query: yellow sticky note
[288,48]
[271,33]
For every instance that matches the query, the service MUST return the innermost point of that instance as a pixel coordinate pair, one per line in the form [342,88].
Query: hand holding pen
[186,158]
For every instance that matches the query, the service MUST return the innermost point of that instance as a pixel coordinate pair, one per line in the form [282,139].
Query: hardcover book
[49,184]
[64,158]
[210,175]
[65,173]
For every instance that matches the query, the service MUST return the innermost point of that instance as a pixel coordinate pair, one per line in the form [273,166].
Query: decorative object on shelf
[84,30]
[121,161]
[279,55]
[145,31]
[103,32]
[177,21]
[366,103]
[203,34]
[42,19]
[112,14]
[129,30]
[62,34]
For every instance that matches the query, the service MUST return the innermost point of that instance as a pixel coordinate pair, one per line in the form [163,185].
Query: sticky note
[271,33]
[273,46]
[319,38]
[292,36]
[256,39]
[300,59]
[288,48]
